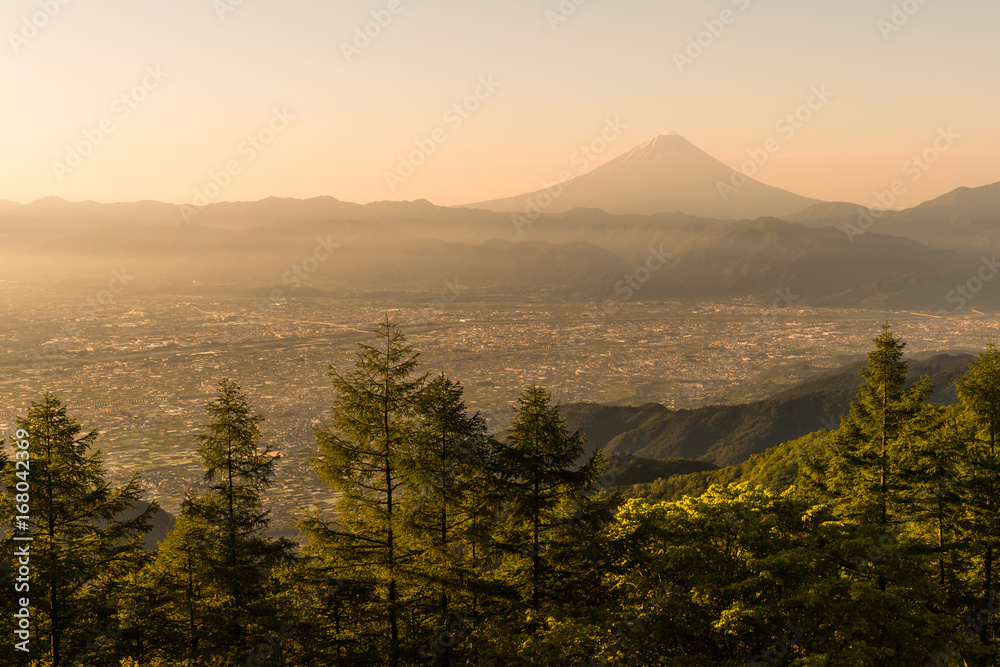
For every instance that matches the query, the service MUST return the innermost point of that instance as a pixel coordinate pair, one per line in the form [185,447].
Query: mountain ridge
[726,435]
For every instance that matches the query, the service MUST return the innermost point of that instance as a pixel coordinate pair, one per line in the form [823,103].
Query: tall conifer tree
[365,454]
[218,560]
[82,542]
[447,499]
[871,443]
[542,475]
[979,391]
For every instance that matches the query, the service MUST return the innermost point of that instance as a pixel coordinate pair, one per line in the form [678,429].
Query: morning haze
[549,333]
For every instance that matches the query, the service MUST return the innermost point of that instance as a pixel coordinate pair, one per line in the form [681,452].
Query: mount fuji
[667,174]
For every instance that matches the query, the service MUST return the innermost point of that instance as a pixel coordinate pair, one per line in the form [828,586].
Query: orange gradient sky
[560,69]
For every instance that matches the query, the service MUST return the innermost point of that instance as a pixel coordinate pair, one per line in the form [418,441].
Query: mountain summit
[666,174]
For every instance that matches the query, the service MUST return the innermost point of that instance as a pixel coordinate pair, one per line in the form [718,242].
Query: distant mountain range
[730,434]
[655,213]
[667,174]
[964,219]
[579,256]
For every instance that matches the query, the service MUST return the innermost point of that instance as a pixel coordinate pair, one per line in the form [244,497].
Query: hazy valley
[134,311]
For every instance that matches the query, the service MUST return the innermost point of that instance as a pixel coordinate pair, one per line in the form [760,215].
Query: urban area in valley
[140,370]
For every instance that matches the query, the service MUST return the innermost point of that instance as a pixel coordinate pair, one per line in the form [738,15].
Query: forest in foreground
[454,546]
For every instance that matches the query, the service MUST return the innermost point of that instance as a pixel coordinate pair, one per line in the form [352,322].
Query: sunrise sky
[224,73]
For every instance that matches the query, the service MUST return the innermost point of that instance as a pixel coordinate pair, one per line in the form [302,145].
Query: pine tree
[322,614]
[217,561]
[871,442]
[938,477]
[365,454]
[179,580]
[543,480]
[82,543]
[445,499]
[871,448]
[979,391]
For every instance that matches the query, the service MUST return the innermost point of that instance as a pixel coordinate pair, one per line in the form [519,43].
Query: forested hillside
[870,544]
[729,434]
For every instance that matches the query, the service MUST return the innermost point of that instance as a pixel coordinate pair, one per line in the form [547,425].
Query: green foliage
[729,434]
[872,544]
[866,472]
[366,455]
[541,484]
[741,575]
[979,391]
[777,469]
[215,566]
[448,501]
[82,546]
[631,470]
